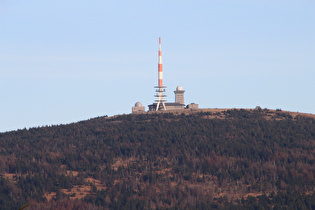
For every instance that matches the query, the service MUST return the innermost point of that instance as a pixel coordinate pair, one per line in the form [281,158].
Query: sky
[72,60]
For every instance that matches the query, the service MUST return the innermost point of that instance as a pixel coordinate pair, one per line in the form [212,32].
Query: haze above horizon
[66,61]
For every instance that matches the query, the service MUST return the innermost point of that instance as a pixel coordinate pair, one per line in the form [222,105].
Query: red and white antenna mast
[160,88]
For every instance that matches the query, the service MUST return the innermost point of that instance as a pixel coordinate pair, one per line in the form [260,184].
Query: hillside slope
[209,159]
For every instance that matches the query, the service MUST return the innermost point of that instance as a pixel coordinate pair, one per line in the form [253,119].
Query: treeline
[164,161]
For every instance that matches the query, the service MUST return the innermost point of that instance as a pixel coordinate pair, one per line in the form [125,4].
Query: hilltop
[222,111]
[207,158]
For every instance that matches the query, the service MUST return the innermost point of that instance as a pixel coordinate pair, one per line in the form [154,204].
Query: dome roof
[179,88]
[138,104]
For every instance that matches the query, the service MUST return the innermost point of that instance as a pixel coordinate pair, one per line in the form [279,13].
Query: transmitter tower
[160,89]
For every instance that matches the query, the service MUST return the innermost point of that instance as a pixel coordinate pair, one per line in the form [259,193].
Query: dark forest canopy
[231,159]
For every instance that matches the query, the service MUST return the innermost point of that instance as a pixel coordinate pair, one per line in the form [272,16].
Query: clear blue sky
[65,61]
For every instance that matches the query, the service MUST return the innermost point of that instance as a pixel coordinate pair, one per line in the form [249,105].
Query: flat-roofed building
[169,106]
[192,106]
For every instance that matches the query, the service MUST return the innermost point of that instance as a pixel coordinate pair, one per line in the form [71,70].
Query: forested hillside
[234,159]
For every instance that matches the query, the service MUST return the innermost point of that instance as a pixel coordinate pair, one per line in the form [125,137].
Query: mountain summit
[207,159]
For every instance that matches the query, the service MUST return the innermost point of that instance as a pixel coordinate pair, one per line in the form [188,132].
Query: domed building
[138,108]
[179,95]
[138,104]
